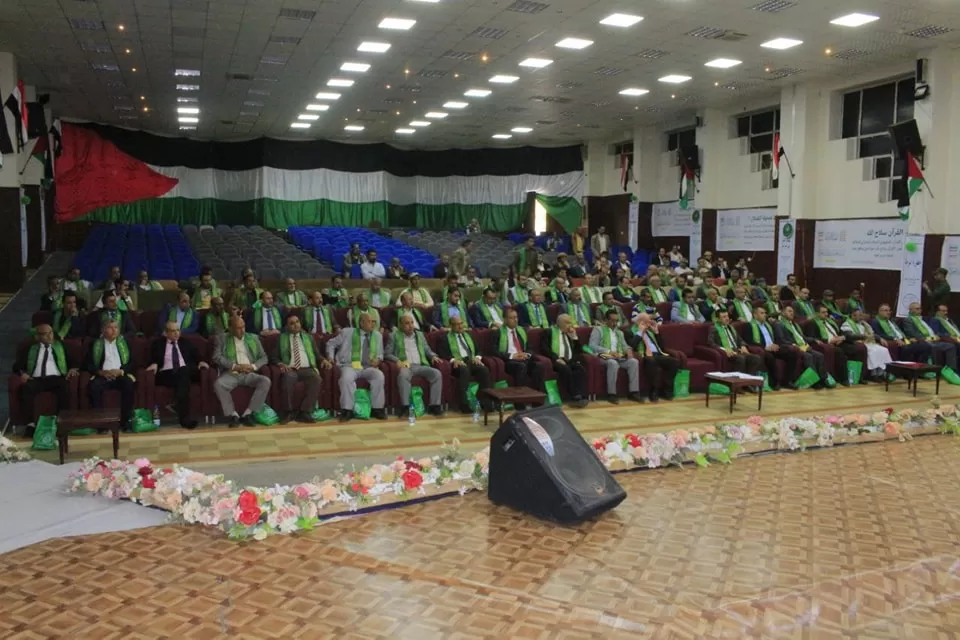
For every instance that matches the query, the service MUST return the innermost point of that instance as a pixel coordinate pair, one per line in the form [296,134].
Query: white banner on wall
[911,273]
[950,260]
[746,230]
[786,249]
[859,244]
[633,223]
[669,220]
[696,236]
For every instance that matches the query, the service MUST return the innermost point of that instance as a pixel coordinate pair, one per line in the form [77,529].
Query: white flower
[260,533]
[613,450]
[467,467]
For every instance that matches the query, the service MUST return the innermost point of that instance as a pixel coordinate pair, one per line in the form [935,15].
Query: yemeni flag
[282,183]
[912,181]
[688,183]
[626,169]
[16,107]
[778,153]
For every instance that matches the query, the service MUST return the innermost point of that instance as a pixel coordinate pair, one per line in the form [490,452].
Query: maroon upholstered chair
[44,403]
[690,339]
[139,353]
[152,395]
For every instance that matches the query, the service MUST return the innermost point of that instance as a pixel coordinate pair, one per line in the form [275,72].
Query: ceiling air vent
[298,14]
[930,31]
[525,6]
[488,33]
[773,6]
[716,33]
[460,55]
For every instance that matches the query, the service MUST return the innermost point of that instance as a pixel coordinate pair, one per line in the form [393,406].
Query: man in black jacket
[111,366]
[176,366]
[562,346]
[761,334]
[67,322]
[110,313]
[466,365]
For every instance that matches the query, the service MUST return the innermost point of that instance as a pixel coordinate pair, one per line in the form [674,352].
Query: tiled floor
[853,542]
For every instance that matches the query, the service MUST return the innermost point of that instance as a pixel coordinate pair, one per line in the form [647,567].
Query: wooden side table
[736,385]
[911,372]
[73,420]
[511,395]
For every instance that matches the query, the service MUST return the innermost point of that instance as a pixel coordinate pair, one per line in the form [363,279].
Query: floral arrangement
[257,512]
[10,452]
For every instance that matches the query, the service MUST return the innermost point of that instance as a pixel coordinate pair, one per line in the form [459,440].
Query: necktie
[566,348]
[174,355]
[296,352]
[365,350]
[536,309]
[43,362]
[269,318]
[318,322]
[463,345]
[516,341]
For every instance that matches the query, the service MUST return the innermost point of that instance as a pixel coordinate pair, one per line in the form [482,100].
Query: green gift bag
[319,414]
[45,435]
[361,404]
[416,399]
[717,389]
[266,417]
[950,375]
[472,389]
[503,385]
[807,379]
[854,370]
[831,382]
[142,421]
[930,375]
[681,384]
[766,382]
[553,393]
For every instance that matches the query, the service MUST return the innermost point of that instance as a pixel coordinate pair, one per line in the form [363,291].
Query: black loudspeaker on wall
[690,157]
[906,138]
[540,464]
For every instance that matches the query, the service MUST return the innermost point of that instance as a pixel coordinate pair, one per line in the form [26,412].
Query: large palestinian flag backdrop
[109,174]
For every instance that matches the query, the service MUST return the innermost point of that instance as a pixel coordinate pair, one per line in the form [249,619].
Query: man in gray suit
[239,355]
[686,311]
[609,343]
[413,355]
[357,352]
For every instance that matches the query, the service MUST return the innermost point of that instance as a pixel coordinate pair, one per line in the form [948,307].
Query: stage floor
[854,542]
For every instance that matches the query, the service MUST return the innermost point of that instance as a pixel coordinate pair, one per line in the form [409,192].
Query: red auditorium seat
[45,402]
[278,396]
[140,353]
[150,395]
[691,341]
[148,323]
[241,395]
[664,309]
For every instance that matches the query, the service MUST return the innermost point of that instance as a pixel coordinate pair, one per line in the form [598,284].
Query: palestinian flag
[687,186]
[912,181]
[778,153]
[109,174]
[626,169]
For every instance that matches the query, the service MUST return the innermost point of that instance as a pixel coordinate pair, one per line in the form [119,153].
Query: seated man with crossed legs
[239,356]
[608,342]
[657,363]
[358,352]
[723,337]
[562,346]
[466,364]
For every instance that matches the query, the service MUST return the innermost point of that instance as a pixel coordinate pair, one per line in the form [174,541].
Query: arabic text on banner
[746,230]
[950,260]
[911,274]
[859,244]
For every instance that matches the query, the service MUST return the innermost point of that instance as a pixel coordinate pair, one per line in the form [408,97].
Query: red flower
[599,445]
[888,410]
[633,440]
[145,471]
[363,490]
[249,518]
[148,483]
[413,465]
[249,508]
[168,470]
[355,486]
[412,479]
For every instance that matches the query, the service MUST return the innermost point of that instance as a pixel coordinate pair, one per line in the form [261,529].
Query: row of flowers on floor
[257,512]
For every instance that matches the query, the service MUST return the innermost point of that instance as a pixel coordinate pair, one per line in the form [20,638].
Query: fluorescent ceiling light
[188,87]
[504,79]
[674,79]
[188,110]
[353,127]
[522,129]
[308,116]
[374,47]
[299,125]
[536,63]
[427,1]
[722,63]
[186,100]
[358,67]
[327,95]
[405,130]
[502,136]
[187,128]
[435,115]
[399,24]
[339,82]
[477,93]
[781,43]
[621,20]
[574,43]
[419,123]
[188,73]
[317,107]
[854,20]
[454,104]
[633,91]
[189,120]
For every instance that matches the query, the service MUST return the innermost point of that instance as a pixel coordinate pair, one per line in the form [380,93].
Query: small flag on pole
[912,181]
[778,153]
[626,169]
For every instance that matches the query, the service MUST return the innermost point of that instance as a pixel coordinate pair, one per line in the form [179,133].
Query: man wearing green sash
[318,318]
[67,322]
[409,350]
[607,305]
[291,297]
[772,305]
[144,283]
[556,292]
[246,296]
[760,334]
[878,356]
[826,333]
[451,283]
[790,337]
[111,281]
[182,313]
[240,356]
[534,313]
[741,308]
[802,306]
[577,309]
[452,307]
[379,297]
[518,361]
[363,307]
[723,337]
[686,311]
[590,291]
[205,291]
[487,313]
[830,302]
[357,354]
[466,365]
[45,368]
[407,308]
[916,328]
[854,302]
[891,335]
[265,317]
[75,283]
[516,290]
[562,346]
[941,324]
[112,313]
[657,293]
[712,304]
[111,367]
[217,321]
[421,297]
[53,298]
[336,296]
[623,292]
[297,360]
[527,259]
[608,342]
[658,365]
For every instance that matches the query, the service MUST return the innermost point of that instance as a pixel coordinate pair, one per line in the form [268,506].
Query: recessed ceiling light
[358,67]
[781,43]
[399,24]
[374,47]
[722,63]
[419,123]
[188,110]
[854,20]
[327,95]
[633,91]
[504,79]
[574,43]
[299,125]
[186,72]
[339,82]
[536,63]
[188,87]
[435,115]
[454,104]
[187,128]
[674,79]
[353,127]
[181,100]
[621,20]
[405,130]
[502,136]
[427,1]
[317,107]
[308,116]
[189,120]
[522,129]
[477,93]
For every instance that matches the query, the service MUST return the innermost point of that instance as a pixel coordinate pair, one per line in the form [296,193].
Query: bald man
[44,368]
[176,365]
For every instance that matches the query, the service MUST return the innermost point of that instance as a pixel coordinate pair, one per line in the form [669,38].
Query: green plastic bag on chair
[416,399]
[266,417]
[681,384]
[45,435]
[854,371]
[142,421]
[831,382]
[717,389]
[361,404]
[319,414]
[950,375]
[503,385]
[807,379]
[472,389]
[553,393]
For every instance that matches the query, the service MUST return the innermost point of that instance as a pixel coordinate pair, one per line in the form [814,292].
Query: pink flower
[710,431]
[301,492]
[832,420]
[94,481]
[141,463]
[892,428]
[367,481]
[755,421]
[329,491]
[861,420]
[678,437]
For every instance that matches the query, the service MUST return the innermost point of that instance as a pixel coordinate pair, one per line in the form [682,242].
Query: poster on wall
[633,224]
[950,260]
[859,244]
[696,236]
[746,230]
[669,220]
[786,248]
[911,273]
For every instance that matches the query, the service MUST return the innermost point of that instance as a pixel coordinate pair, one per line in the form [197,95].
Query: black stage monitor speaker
[906,138]
[539,463]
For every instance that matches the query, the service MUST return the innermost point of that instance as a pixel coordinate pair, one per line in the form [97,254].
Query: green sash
[56,301]
[537,314]
[401,348]
[122,348]
[890,328]
[420,295]
[445,313]
[696,312]
[355,354]
[606,332]
[642,346]
[59,357]
[187,316]
[230,347]
[341,296]
[571,309]
[806,308]
[951,328]
[381,297]
[591,294]
[152,285]
[726,339]
[832,308]
[762,294]
[520,294]
[293,299]
[244,296]
[117,317]
[714,307]
[198,297]
[324,311]
[603,308]
[657,294]
[210,322]
[921,326]
[822,326]
[743,307]
[554,293]
[505,336]
[853,305]
[413,312]
[627,292]
[258,317]
[454,345]
[285,352]
[755,330]
[773,308]
[371,311]
[487,315]
[63,330]
[794,332]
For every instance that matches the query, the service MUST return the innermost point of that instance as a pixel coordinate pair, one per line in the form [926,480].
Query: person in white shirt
[297,358]
[878,356]
[608,342]
[466,364]
[239,356]
[371,268]
[408,348]
[111,366]
[44,368]
[675,254]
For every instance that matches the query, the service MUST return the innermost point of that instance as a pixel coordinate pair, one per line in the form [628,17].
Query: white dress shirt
[296,347]
[51,368]
[370,270]
[243,356]
[111,356]
[410,345]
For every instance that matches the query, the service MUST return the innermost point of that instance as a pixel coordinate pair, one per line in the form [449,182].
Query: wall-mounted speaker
[690,157]
[906,138]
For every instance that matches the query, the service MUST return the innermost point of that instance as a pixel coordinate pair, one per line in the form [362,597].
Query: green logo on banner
[788,230]
[696,215]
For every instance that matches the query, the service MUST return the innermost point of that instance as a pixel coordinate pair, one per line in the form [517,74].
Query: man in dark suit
[44,367]
[789,336]
[917,328]
[517,358]
[466,365]
[563,347]
[723,337]
[176,365]
[53,298]
[67,322]
[182,313]
[824,331]
[656,362]
[442,269]
[890,334]
[761,334]
[110,313]
[111,366]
